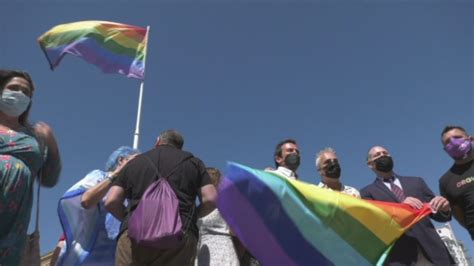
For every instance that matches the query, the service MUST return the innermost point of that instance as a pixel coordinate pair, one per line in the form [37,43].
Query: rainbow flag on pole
[289,222]
[113,47]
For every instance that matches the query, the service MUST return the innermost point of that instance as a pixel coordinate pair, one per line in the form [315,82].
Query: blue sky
[236,77]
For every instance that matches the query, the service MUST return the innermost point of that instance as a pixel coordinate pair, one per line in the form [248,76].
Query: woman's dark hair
[5,76]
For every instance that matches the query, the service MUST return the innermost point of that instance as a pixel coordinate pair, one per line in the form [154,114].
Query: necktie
[397,191]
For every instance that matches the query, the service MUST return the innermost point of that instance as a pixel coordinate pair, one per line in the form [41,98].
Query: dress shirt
[283,171]
[344,189]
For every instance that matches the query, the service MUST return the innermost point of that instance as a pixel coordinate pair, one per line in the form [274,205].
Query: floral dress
[215,247]
[20,161]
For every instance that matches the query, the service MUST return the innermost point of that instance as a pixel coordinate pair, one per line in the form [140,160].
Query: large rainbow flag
[113,47]
[289,222]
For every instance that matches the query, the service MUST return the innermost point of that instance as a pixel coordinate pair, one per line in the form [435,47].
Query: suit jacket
[423,233]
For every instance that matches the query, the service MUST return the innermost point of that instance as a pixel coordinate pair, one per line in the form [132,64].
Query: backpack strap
[172,171]
[38,204]
[190,220]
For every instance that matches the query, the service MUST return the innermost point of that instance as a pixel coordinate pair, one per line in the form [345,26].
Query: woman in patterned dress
[215,246]
[26,151]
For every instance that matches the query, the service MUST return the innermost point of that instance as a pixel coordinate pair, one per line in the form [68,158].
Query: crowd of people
[96,213]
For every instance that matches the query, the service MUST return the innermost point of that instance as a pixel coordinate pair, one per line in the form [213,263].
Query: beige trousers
[130,254]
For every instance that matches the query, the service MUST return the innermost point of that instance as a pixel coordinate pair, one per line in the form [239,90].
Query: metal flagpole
[136,136]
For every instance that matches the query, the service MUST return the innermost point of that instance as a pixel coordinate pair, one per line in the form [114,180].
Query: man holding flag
[421,244]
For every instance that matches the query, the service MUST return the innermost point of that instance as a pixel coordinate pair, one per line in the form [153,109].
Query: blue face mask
[13,103]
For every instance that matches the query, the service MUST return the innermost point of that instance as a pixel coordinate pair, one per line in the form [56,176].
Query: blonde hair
[215,175]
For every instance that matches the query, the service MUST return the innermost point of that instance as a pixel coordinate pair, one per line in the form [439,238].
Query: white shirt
[344,189]
[283,171]
[396,181]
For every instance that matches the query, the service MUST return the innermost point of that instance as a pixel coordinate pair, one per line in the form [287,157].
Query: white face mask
[13,103]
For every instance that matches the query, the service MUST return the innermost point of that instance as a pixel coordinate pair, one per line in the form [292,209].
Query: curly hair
[122,152]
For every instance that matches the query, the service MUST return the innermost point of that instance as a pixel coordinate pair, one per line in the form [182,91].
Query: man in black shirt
[457,184]
[188,181]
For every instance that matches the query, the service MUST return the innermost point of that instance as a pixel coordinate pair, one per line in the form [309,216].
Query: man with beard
[330,171]
[287,159]
[420,245]
[457,184]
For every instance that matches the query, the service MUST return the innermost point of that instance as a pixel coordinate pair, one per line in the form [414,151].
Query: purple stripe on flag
[96,54]
[272,253]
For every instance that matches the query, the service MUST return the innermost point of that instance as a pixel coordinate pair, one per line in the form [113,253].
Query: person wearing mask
[457,184]
[328,167]
[286,158]
[421,244]
[26,152]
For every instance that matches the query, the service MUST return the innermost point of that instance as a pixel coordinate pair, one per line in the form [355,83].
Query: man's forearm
[95,194]
[117,209]
[457,213]
[442,216]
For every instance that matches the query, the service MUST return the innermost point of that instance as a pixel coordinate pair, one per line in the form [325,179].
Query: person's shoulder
[410,178]
[189,154]
[91,179]
[350,188]
[96,173]
[150,152]
[446,176]
[367,188]
[351,191]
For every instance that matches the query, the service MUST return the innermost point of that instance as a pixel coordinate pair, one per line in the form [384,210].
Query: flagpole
[136,136]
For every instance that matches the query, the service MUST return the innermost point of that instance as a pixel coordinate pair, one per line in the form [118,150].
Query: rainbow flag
[289,222]
[113,47]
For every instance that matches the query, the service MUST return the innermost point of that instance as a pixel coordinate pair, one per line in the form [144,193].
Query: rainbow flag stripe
[113,47]
[289,222]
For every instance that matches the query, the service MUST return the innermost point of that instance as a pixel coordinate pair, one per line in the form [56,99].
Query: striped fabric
[113,47]
[289,222]
[90,233]
[397,191]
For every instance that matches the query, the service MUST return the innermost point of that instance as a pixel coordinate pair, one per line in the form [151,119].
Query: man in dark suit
[420,245]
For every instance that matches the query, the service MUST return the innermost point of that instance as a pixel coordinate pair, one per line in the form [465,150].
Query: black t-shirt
[186,181]
[457,185]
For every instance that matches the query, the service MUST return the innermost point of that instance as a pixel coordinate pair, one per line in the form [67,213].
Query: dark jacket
[423,233]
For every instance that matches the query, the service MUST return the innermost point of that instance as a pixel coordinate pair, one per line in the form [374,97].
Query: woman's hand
[44,132]
[52,165]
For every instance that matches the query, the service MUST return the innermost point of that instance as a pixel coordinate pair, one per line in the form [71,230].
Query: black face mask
[292,161]
[384,164]
[333,169]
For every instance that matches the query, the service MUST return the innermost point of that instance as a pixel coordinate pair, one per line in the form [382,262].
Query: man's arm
[440,206]
[95,194]
[52,166]
[458,215]
[114,202]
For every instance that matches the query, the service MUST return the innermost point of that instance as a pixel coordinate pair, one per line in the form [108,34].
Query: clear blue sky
[236,77]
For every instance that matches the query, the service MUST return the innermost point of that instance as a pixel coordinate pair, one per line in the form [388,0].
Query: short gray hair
[172,137]
[321,152]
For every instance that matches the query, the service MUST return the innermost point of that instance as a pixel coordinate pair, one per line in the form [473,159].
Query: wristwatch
[111,178]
